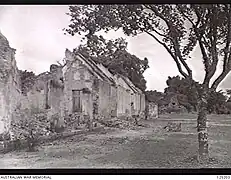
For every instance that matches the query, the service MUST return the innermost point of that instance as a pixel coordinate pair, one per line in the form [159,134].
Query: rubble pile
[122,123]
[173,127]
[76,121]
[26,122]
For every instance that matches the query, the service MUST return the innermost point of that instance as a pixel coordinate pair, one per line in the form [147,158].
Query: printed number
[223,177]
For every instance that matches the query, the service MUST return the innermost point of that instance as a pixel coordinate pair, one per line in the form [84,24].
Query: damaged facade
[90,89]
[170,104]
[151,110]
[87,89]
[80,87]
[9,84]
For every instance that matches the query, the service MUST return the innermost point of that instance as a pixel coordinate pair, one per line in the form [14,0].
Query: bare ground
[145,147]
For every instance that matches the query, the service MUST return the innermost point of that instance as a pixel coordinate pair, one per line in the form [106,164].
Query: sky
[36,34]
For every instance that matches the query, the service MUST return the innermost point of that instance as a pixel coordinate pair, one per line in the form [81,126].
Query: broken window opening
[76,103]
[47,106]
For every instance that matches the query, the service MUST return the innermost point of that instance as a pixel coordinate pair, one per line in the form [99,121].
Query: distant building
[170,103]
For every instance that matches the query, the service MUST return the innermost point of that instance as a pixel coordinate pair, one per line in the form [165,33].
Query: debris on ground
[122,123]
[78,121]
[173,127]
[74,121]
[37,123]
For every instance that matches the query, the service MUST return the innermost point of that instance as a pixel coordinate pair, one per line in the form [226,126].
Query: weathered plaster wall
[127,95]
[77,77]
[104,99]
[152,110]
[56,94]
[109,95]
[37,96]
[9,84]
[113,101]
[95,98]
[143,102]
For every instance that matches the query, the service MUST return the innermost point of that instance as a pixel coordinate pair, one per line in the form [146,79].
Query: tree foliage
[181,86]
[178,28]
[187,94]
[217,103]
[154,96]
[113,54]
[27,80]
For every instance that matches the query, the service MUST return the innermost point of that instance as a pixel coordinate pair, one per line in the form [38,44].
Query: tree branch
[213,41]
[219,79]
[199,37]
[228,40]
[174,40]
[178,53]
[159,33]
[227,56]
[171,53]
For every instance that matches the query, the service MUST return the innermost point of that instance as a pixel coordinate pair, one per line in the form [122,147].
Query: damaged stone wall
[111,95]
[36,97]
[95,98]
[77,77]
[9,85]
[104,99]
[113,101]
[124,102]
[127,96]
[136,101]
[152,110]
[56,96]
[143,102]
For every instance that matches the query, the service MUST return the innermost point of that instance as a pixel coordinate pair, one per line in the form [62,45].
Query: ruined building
[86,88]
[81,86]
[9,84]
[89,88]
[151,110]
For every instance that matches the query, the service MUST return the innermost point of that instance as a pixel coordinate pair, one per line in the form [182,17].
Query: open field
[145,147]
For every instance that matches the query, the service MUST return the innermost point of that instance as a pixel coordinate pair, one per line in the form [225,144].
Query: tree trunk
[203,153]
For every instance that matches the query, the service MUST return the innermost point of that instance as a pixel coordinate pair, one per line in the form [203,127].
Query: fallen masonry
[173,127]
[18,144]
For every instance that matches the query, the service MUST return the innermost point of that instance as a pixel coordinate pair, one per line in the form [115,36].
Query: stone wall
[104,99]
[143,102]
[111,95]
[9,85]
[113,101]
[77,77]
[56,95]
[152,110]
[124,102]
[95,98]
